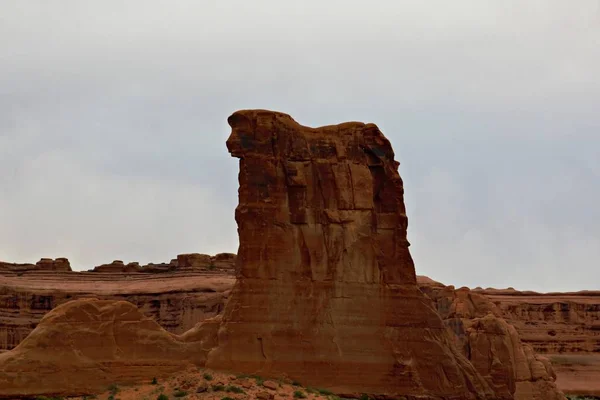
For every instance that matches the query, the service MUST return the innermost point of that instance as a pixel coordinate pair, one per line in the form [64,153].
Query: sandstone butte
[326,291]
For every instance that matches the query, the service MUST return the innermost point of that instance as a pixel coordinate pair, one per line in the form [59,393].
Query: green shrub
[234,389]
[218,388]
[325,392]
[113,389]
[259,379]
[227,398]
[296,383]
[207,376]
[364,397]
[298,394]
[179,393]
[162,396]
[312,391]
[48,398]
[154,381]
[575,397]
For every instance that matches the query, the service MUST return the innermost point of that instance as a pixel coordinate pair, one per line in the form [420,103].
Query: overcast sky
[113,124]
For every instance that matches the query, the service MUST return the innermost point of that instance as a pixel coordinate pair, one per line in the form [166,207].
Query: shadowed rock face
[326,290]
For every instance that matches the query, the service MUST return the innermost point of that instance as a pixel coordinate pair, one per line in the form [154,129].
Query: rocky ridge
[177,298]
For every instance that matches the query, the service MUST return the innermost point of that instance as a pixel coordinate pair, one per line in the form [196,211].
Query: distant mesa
[45,264]
[183,262]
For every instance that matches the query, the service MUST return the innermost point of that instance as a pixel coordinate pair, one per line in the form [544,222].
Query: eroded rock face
[45,264]
[552,322]
[326,291]
[492,345]
[84,346]
[176,300]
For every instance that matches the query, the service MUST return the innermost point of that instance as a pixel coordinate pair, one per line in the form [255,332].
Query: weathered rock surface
[45,264]
[224,262]
[177,300]
[84,346]
[565,327]
[326,291]
[552,322]
[492,345]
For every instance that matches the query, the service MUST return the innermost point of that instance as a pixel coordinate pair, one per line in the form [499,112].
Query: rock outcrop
[552,322]
[492,345]
[224,262]
[45,264]
[176,300]
[84,346]
[326,291]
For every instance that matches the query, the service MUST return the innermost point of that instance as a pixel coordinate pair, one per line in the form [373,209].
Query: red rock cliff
[326,290]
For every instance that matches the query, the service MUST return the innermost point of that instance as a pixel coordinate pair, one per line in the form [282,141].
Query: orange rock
[326,291]
[270,385]
[177,301]
[265,396]
[492,345]
[84,346]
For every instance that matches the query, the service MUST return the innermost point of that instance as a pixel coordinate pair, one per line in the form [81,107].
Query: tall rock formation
[326,291]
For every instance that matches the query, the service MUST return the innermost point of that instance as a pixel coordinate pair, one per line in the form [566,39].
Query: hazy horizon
[113,125]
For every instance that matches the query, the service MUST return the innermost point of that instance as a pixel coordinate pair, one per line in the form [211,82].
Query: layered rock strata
[326,290]
[84,346]
[552,322]
[176,300]
[492,345]
[45,264]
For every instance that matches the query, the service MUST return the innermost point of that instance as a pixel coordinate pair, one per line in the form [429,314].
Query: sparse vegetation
[258,379]
[162,396]
[179,393]
[311,390]
[207,376]
[575,397]
[296,383]
[324,392]
[234,389]
[113,389]
[154,381]
[48,398]
[298,394]
[218,388]
[227,398]
[364,397]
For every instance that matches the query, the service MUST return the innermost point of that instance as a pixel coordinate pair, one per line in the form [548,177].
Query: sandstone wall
[554,322]
[177,300]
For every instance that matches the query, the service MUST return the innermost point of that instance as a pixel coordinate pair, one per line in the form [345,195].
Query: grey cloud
[112,124]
